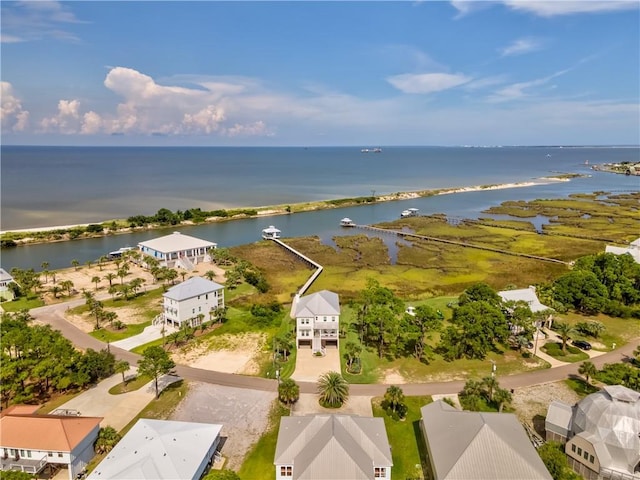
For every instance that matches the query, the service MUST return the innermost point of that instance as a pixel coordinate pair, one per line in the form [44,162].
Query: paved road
[54,316]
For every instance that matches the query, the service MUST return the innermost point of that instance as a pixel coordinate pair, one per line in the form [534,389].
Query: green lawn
[405,438]
[114,335]
[130,386]
[22,303]
[572,354]
[258,464]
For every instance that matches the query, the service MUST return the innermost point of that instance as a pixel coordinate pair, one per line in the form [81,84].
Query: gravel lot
[243,414]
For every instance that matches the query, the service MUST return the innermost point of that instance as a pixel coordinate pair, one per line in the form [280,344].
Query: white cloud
[466,7]
[66,121]
[485,82]
[427,82]
[517,91]
[37,20]
[206,120]
[91,123]
[521,46]
[568,7]
[13,116]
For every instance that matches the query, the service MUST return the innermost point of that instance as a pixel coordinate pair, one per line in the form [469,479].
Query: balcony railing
[27,465]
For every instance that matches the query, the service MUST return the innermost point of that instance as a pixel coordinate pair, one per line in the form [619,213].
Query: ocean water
[43,186]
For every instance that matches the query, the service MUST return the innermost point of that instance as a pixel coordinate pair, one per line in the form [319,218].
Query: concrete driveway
[149,334]
[117,410]
[309,368]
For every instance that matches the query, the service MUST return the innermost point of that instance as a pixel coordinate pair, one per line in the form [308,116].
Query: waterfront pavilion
[177,250]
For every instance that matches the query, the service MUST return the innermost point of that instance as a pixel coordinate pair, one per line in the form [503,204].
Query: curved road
[54,315]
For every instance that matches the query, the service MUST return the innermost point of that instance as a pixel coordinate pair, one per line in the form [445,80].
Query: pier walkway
[400,233]
[311,279]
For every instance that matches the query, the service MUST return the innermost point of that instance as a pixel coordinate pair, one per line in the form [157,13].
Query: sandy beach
[279,210]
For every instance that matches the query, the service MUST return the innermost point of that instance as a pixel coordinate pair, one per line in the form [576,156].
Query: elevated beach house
[161,449]
[270,233]
[331,447]
[177,250]
[317,320]
[191,302]
[31,443]
[633,249]
[464,445]
[528,296]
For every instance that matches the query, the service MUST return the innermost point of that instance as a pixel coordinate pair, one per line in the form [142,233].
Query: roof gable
[332,446]
[527,295]
[323,302]
[46,432]
[192,287]
[473,445]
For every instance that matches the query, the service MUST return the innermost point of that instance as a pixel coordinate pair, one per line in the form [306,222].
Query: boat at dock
[409,212]
[118,253]
[347,222]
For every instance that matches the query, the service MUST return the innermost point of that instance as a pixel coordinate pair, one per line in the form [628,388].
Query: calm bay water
[44,186]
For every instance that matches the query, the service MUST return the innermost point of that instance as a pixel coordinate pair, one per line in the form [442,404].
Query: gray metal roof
[4,276]
[176,242]
[192,288]
[157,450]
[323,302]
[478,446]
[558,418]
[610,419]
[527,295]
[331,447]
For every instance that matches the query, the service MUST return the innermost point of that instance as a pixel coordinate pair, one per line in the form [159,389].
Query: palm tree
[492,384]
[67,285]
[333,390]
[502,396]
[96,280]
[55,290]
[101,260]
[210,275]
[75,263]
[108,437]
[110,277]
[45,270]
[122,366]
[564,331]
[288,392]
[394,397]
[587,369]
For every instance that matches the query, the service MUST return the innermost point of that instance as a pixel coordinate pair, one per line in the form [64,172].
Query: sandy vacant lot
[226,353]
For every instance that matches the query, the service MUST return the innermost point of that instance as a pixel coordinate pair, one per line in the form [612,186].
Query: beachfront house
[32,443]
[463,445]
[317,320]
[161,449]
[633,249]
[177,250]
[332,447]
[5,280]
[528,295]
[192,302]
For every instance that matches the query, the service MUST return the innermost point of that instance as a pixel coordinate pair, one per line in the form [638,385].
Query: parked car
[582,344]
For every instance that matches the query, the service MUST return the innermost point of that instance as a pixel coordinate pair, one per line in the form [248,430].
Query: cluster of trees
[36,361]
[478,393]
[383,324]
[554,458]
[164,216]
[266,315]
[98,312]
[241,269]
[604,282]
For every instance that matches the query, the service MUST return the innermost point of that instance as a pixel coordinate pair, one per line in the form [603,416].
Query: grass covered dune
[196,216]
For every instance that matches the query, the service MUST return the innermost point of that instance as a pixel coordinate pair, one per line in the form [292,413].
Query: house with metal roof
[528,295]
[464,445]
[5,279]
[30,442]
[178,250]
[328,447]
[317,320]
[192,302]
[159,450]
[602,434]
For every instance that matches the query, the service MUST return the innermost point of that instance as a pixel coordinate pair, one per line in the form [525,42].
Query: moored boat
[347,222]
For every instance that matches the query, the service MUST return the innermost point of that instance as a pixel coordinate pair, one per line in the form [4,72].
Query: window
[60,454]
[50,454]
[286,471]
[206,297]
[573,447]
[379,472]
[22,453]
[591,459]
[586,455]
[28,453]
[579,451]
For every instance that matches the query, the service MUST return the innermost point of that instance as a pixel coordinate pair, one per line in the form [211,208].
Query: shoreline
[274,210]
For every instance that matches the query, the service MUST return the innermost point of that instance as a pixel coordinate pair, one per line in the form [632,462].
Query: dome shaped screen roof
[612,416]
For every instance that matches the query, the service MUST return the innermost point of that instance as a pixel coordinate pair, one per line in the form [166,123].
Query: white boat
[377,150]
[410,212]
[270,233]
[118,253]
[365,150]
[347,222]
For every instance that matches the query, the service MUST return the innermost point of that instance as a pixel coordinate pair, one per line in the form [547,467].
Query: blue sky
[320,73]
